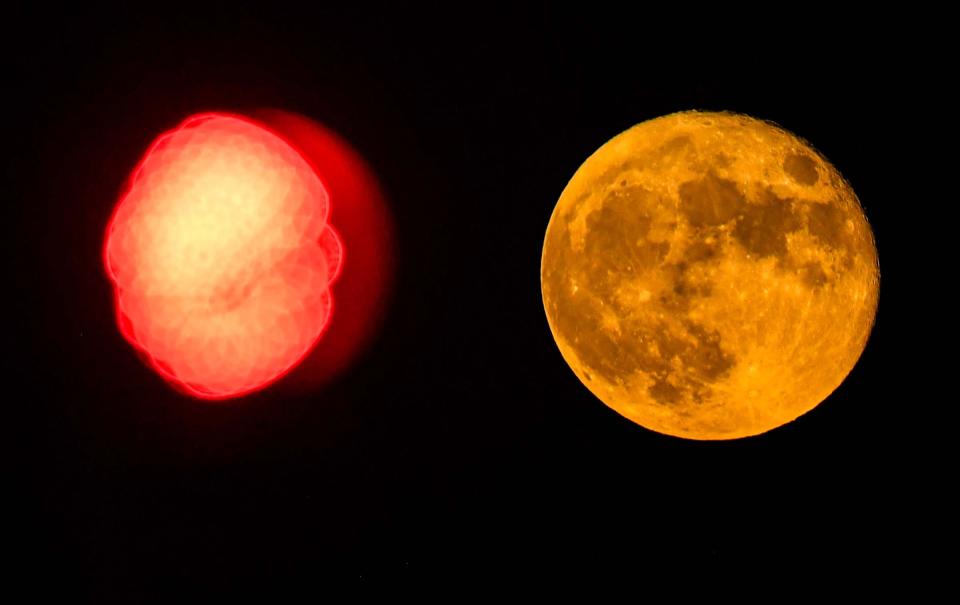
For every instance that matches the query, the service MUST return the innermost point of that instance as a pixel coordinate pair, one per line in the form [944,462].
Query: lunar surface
[709,275]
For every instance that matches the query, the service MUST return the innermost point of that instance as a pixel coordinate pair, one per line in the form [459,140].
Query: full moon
[709,275]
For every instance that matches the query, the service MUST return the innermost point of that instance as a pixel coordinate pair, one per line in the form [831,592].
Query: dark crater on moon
[618,230]
[615,339]
[680,355]
[826,223]
[762,228]
[801,168]
[710,201]
[713,205]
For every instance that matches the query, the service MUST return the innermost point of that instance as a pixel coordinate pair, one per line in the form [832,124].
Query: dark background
[460,443]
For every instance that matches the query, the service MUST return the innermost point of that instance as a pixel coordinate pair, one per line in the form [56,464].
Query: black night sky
[460,445]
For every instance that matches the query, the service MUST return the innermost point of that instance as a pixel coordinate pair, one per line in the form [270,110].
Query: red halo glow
[221,257]
[360,214]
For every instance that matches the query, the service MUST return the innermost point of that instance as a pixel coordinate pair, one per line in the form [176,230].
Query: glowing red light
[221,256]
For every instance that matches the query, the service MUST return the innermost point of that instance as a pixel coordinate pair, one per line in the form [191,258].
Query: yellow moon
[709,275]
